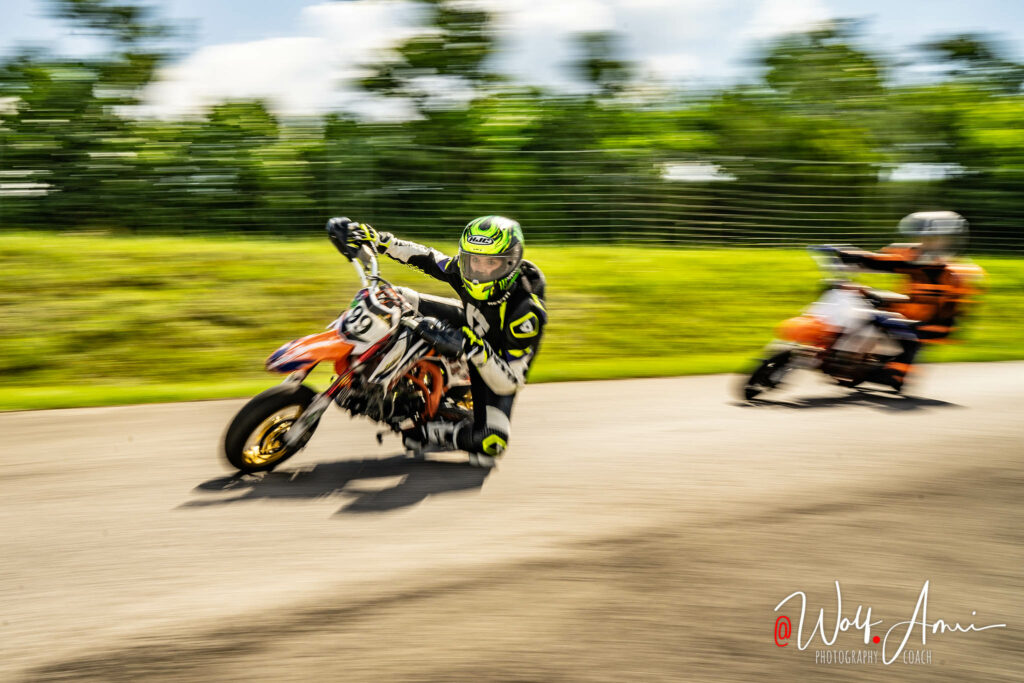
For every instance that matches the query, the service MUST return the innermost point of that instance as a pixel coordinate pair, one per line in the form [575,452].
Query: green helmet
[490,252]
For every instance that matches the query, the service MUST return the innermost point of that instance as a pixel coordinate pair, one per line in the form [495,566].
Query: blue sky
[300,53]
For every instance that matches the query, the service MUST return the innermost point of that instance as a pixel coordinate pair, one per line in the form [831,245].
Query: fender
[807,329]
[306,352]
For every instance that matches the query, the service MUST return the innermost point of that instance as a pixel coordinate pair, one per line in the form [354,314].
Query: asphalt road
[637,530]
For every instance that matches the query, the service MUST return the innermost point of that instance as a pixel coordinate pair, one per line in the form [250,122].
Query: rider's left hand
[361,233]
[364,233]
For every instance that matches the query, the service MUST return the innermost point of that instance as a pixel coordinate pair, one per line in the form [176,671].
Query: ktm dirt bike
[846,334]
[398,368]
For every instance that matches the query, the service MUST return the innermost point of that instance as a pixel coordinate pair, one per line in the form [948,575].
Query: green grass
[99,320]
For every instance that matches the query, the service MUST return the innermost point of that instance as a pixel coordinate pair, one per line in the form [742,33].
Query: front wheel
[768,375]
[255,439]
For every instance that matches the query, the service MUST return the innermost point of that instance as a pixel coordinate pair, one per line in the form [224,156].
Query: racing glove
[348,236]
[364,233]
[452,342]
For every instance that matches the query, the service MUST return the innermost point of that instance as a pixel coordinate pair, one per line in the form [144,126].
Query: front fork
[304,425]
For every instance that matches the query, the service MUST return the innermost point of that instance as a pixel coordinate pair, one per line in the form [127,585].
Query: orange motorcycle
[848,333]
[390,364]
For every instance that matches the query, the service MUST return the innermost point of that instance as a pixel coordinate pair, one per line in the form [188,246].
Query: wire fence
[575,196]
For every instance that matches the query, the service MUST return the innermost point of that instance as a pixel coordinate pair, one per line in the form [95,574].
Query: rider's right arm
[347,236]
[430,261]
[882,263]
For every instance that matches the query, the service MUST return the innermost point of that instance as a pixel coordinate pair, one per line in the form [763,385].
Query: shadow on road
[350,478]
[880,401]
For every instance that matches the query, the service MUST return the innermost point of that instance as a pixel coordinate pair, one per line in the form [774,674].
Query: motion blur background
[165,170]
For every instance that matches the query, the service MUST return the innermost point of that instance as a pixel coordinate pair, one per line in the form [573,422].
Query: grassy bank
[94,320]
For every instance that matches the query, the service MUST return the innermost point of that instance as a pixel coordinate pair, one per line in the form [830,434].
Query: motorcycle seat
[885,297]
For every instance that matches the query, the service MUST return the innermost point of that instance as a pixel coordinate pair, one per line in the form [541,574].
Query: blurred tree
[128,24]
[137,38]
[809,147]
[978,59]
[824,101]
[823,67]
[450,53]
[440,72]
[66,121]
[820,103]
[601,64]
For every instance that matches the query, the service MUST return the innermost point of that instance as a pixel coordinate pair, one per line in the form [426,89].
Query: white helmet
[933,224]
[940,233]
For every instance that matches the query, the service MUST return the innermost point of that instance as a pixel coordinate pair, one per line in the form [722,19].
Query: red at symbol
[783,630]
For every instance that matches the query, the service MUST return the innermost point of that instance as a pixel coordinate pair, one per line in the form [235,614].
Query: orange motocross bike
[390,364]
[848,333]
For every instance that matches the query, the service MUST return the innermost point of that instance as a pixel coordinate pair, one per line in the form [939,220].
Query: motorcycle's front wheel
[768,374]
[255,439]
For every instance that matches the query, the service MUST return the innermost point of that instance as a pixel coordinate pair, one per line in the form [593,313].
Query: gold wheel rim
[266,444]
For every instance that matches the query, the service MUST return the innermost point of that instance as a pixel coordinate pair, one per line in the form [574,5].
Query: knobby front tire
[768,375]
[254,441]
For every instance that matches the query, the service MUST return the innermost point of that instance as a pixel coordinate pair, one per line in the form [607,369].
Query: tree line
[824,142]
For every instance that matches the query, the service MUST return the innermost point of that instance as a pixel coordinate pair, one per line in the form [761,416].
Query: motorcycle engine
[843,365]
[406,402]
[392,409]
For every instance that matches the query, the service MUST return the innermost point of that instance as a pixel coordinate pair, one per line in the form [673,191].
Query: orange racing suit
[940,291]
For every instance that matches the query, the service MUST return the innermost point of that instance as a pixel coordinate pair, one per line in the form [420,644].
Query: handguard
[337,232]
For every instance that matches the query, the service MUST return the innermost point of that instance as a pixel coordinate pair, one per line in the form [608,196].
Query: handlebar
[446,339]
[368,269]
[366,265]
[827,260]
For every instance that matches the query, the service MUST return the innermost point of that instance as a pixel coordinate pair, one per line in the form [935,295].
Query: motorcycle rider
[498,322]
[938,286]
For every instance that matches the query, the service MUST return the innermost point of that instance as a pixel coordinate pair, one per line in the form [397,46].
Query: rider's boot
[893,375]
[482,460]
[429,438]
[897,375]
[413,446]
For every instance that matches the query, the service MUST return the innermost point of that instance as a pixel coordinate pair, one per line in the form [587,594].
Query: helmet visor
[483,268]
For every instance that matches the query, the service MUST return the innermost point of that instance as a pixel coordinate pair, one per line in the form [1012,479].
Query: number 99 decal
[358,322]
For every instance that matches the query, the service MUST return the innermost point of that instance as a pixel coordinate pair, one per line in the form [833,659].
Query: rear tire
[768,375]
[254,441]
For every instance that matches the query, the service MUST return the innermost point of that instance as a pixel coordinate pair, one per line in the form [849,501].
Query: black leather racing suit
[511,327]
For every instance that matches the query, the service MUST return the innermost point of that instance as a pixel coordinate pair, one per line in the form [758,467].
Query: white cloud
[361,27]
[670,40]
[536,37]
[672,67]
[777,17]
[565,15]
[663,36]
[282,70]
[297,75]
